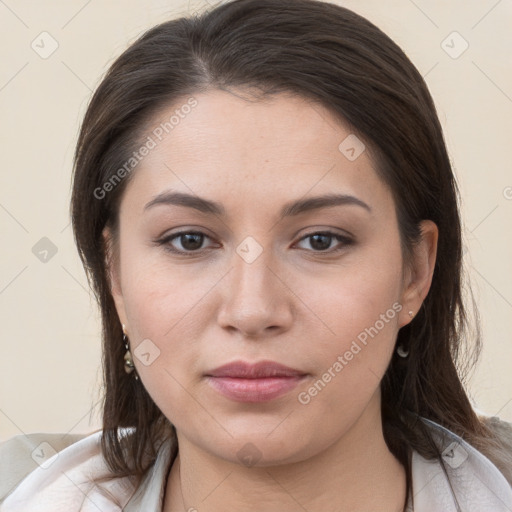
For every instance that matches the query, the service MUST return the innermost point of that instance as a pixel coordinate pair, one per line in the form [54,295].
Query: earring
[128,361]
[401,351]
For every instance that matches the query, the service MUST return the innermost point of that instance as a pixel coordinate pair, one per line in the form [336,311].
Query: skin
[296,303]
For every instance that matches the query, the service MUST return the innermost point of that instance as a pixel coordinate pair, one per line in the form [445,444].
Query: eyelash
[345,241]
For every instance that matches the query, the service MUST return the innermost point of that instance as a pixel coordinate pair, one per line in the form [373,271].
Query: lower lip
[254,390]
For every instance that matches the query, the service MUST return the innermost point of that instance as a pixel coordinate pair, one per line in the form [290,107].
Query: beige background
[50,344]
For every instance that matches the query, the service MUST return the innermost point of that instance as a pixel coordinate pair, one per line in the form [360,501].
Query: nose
[257,300]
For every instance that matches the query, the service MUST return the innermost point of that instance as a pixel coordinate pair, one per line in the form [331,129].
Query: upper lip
[262,369]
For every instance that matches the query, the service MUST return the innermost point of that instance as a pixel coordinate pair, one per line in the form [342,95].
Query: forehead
[234,146]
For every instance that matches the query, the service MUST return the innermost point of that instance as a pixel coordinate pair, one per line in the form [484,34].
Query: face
[265,274]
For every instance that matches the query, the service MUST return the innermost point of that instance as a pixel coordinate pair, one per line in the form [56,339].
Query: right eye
[190,242]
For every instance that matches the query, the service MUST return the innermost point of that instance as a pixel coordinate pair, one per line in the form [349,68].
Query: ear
[420,271]
[113,274]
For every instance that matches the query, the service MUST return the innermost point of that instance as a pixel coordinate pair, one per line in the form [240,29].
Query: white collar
[472,483]
[66,483]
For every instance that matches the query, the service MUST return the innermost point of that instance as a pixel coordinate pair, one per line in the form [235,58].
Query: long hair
[331,55]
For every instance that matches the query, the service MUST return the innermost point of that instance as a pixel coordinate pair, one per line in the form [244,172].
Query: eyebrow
[289,209]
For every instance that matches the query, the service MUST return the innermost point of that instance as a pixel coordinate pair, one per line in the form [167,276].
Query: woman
[265,207]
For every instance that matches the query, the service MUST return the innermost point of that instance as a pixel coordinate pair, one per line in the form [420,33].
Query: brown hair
[330,55]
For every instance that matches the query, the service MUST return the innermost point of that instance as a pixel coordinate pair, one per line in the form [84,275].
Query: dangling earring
[400,350]
[128,361]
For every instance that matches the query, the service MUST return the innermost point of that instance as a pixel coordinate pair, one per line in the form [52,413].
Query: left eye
[321,242]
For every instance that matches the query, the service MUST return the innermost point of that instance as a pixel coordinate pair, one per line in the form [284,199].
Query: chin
[256,448]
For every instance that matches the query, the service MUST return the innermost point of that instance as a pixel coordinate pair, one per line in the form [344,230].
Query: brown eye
[184,242]
[321,241]
[191,241]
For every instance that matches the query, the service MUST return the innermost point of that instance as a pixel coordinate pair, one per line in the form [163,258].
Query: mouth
[260,382]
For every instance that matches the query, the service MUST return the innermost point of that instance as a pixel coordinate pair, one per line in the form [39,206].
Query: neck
[355,473]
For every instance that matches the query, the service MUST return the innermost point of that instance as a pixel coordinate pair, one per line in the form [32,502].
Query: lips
[259,382]
[242,370]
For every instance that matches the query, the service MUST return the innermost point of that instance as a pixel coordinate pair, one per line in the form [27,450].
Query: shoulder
[501,456]
[463,478]
[21,454]
[37,467]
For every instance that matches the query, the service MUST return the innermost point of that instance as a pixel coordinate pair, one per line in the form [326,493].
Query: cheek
[168,310]
[350,364]
[359,297]
[163,307]
[170,307]
[159,296]
[359,310]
